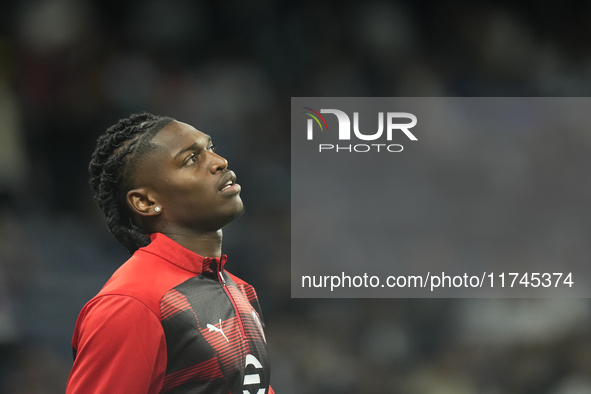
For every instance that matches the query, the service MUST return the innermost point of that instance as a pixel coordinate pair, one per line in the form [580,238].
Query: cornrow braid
[112,169]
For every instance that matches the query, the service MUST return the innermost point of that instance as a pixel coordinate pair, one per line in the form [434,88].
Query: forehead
[177,136]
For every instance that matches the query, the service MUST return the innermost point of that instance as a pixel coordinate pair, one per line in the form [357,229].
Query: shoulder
[145,278]
[114,316]
[113,307]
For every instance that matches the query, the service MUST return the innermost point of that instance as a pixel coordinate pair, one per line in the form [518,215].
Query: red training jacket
[171,321]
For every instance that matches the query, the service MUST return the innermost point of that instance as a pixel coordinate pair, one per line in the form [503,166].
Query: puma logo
[214,328]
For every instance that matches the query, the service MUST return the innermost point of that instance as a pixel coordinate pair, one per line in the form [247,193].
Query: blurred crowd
[71,68]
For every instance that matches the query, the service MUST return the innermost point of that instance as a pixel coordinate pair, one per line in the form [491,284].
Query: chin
[238,212]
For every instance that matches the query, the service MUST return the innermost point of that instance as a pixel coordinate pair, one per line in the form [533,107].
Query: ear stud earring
[157,209]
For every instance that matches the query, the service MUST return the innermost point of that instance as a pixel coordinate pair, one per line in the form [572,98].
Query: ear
[142,202]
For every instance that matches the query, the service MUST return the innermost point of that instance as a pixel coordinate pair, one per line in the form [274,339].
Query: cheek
[190,198]
[186,185]
[199,193]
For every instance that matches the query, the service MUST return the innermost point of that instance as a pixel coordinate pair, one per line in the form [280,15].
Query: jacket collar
[174,253]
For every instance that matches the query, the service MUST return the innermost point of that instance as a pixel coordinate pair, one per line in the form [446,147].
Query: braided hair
[113,167]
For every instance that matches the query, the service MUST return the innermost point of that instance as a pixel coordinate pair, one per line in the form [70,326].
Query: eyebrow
[194,146]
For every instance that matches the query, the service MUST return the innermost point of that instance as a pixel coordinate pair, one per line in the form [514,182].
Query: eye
[212,147]
[191,159]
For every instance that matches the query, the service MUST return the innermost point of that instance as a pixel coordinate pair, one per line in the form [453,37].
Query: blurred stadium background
[71,68]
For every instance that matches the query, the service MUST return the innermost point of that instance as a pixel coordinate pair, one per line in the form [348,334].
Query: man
[171,319]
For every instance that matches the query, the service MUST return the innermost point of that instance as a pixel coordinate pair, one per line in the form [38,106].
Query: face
[191,183]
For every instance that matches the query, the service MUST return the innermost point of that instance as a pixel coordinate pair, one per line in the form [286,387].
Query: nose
[218,163]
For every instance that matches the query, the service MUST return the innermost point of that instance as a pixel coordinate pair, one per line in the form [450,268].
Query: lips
[228,181]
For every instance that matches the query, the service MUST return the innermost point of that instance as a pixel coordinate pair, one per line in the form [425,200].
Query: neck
[204,244]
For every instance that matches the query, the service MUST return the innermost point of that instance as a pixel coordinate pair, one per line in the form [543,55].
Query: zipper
[223,283]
